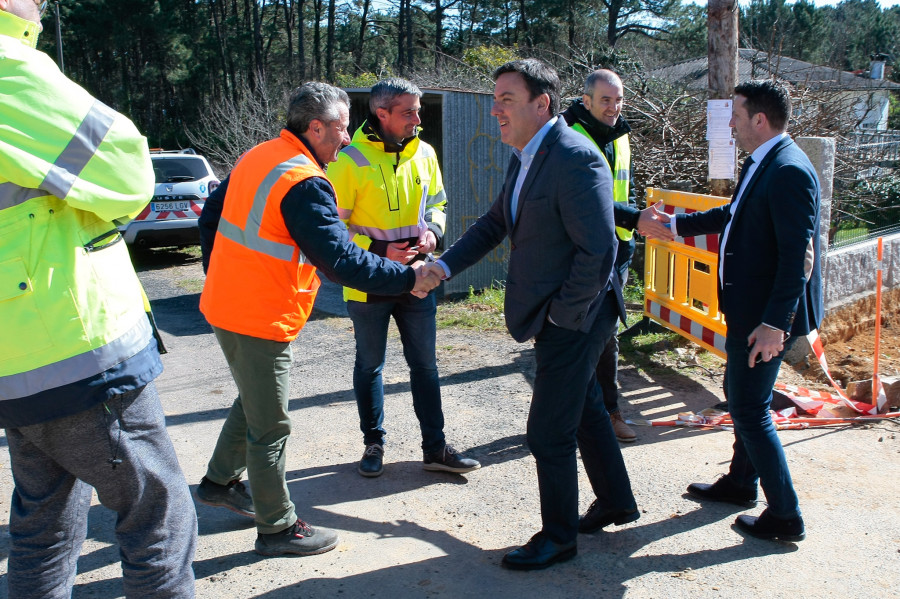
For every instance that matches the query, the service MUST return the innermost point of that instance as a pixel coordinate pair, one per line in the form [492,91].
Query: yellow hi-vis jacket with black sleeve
[621,172]
[73,325]
[387,195]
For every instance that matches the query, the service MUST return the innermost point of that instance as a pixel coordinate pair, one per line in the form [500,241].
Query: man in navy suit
[770,290]
[556,207]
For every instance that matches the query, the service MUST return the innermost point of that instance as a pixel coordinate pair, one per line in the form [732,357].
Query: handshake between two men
[653,222]
[428,276]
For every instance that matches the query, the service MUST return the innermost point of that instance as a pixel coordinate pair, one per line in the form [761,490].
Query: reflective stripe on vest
[249,235]
[356,156]
[621,172]
[70,162]
[76,368]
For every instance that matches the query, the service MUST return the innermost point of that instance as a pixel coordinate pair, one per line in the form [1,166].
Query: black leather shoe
[538,553]
[598,517]
[770,528]
[725,491]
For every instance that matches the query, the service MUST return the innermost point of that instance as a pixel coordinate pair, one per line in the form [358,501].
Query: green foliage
[167,63]
[488,58]
[870,207]
[361,80]
[480,310]
[894,111]
[634,289]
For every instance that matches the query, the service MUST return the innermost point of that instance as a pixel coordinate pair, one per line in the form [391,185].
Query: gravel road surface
[413,533]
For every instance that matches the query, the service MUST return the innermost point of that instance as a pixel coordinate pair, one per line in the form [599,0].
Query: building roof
[756,64]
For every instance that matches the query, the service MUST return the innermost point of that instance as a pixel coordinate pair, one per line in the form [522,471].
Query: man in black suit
[770,290]
[556,206]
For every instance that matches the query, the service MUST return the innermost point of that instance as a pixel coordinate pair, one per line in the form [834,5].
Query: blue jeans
[567,411]
[758,454]
[416,323]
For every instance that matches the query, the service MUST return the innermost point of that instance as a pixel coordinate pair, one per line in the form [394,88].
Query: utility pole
[59,52]
[722,44]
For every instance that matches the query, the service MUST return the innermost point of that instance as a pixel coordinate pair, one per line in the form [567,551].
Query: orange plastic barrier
[680,276]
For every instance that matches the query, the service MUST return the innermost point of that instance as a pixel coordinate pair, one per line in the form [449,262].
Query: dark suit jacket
[772,260]
[563,242]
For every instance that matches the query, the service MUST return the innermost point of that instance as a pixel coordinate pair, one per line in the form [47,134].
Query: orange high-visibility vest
[259,283]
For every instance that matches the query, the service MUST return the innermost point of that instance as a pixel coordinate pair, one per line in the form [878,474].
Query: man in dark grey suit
[556,206]
[770,290]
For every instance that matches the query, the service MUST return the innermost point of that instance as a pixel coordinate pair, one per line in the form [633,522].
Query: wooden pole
[722,25]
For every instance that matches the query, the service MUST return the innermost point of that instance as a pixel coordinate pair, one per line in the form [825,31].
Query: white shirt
[526,157]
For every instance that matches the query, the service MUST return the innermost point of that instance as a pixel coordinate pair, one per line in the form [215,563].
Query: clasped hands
[402,252]
[428,276]
[652,223]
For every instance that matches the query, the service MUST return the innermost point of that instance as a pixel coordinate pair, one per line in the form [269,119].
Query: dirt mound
[848,335]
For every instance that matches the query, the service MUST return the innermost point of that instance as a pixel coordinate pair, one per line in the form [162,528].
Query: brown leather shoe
[622,430]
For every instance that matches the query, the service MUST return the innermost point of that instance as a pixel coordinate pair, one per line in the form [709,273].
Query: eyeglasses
[42,6]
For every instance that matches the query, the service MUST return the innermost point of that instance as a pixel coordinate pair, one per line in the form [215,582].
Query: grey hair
[385,93]
[314,101]
[606,76]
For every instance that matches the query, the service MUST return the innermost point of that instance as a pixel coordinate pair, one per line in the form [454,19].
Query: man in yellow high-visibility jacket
[391,196]
[598,116]
[77,351]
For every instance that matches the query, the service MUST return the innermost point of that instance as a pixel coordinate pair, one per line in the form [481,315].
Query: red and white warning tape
[815,342]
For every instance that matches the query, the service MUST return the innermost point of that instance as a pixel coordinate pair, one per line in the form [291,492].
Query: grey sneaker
[300,539]
[371,464]
[449,460]
[233,496]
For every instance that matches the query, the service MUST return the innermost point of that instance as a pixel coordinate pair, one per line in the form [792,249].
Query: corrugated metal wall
[473,162]
[474,166]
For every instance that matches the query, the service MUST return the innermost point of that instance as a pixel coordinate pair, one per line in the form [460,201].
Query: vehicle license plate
[170,206]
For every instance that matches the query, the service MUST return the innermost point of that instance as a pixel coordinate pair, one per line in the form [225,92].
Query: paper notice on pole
[718,115]
[722,157]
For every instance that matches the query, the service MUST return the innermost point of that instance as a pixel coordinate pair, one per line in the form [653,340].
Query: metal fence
[877,149]
[867,192]
[853,228]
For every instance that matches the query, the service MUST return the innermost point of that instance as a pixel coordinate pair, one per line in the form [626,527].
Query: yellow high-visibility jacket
[621,172]
[387,196]
[73,326]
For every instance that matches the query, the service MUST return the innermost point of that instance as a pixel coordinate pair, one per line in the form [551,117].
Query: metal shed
[473,162]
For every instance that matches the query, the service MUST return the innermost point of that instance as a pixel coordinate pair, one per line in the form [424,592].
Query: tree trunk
[258,73]
[612,23]
[571,19]
[289,35]
[401,35]
[523,21]
[409,37]
[329,45]
[438,35]
[722,25]
[301,41]
[317,38]
[361,40]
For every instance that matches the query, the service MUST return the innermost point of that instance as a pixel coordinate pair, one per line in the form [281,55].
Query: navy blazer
[563,241]
[772,263]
